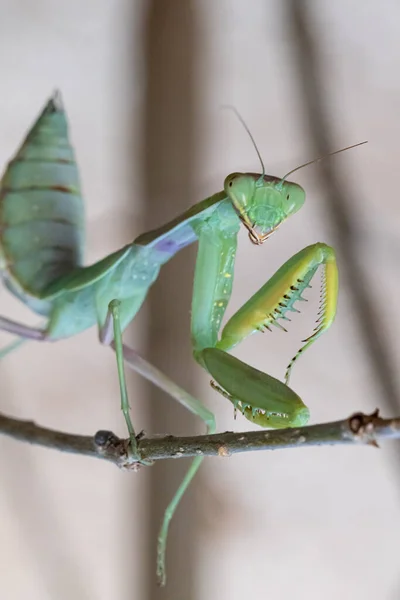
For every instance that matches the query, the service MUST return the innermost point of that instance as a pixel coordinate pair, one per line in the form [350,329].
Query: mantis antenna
[311,162]
[243,122]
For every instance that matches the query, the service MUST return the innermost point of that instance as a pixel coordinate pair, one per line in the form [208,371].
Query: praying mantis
[41,263]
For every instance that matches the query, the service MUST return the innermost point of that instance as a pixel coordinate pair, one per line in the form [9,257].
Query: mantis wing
[160,244]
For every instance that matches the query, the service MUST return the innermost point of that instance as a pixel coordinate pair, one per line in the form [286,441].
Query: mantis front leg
[263,399]
[277,297]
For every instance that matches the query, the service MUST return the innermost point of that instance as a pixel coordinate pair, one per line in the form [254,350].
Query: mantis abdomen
[41,211]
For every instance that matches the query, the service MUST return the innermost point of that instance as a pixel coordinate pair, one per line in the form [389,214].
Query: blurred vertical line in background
[338,202]
[169,161]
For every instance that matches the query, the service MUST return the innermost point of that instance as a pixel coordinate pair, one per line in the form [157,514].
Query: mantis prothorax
[41,242]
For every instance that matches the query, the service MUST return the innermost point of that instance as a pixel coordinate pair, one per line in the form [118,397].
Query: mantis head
[263,202]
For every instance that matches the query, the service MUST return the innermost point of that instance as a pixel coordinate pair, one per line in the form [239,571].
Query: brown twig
[359,428]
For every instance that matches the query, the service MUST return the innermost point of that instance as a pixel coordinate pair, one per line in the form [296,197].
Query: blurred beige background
[143,83]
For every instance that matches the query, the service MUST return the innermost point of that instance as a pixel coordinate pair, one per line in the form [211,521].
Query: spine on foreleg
[41,209]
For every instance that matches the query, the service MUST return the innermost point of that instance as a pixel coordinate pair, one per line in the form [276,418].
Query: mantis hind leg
[24,333]
[155,376]
[11,347]
[21,330]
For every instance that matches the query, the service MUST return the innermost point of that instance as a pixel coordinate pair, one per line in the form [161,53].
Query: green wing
[163,243]
[85,276]
[180,229]
[41,209]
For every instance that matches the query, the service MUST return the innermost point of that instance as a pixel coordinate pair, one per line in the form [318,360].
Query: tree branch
[359,428]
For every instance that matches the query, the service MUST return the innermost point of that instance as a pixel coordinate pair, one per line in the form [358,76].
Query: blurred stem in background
[310,72]
[169,153]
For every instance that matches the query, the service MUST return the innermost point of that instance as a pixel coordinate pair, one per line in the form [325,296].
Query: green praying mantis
[41,263]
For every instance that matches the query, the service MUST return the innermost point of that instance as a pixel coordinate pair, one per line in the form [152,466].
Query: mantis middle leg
[111,334]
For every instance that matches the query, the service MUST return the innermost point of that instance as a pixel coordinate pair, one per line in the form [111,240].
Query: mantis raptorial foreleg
[263,399]
[279,294]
